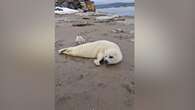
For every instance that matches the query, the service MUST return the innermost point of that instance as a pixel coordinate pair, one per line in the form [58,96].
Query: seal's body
[101,50]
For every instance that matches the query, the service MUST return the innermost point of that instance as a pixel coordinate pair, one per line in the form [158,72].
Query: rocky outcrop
[73,4]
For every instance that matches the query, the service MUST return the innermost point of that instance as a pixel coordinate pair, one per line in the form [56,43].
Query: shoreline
[81,84]
[122,11]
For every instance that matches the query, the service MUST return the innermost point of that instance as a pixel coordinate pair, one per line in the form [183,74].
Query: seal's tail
[64,51]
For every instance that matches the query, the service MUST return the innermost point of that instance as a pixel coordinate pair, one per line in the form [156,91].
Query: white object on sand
[106,18]
[79,39]
[64,10]
[118,30]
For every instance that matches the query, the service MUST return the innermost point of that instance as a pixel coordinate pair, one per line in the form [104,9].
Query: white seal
[101,50]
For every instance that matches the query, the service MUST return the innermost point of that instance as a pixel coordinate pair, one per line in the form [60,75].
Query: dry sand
[80,85]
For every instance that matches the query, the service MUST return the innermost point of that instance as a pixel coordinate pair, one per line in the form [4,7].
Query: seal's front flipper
[97,62]
[99,59]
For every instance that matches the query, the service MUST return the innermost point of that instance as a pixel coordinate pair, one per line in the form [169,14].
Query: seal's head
[112,56]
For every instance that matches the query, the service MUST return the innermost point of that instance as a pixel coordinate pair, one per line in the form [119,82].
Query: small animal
[101,50]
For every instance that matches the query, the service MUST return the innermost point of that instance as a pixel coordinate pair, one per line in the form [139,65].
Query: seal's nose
[106,61]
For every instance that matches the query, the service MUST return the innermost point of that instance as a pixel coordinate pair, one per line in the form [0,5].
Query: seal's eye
[111,57]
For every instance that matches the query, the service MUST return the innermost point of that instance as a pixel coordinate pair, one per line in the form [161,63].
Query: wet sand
[80,85]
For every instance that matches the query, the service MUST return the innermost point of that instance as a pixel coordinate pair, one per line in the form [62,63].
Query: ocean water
[122,11]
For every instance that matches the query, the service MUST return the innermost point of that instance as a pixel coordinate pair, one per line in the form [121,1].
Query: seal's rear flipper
[65,51]
[61,51]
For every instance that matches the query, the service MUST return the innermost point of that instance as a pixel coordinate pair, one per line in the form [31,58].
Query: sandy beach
[80,85]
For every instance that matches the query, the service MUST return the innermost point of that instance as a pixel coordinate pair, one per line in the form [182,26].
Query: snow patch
[64,10]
